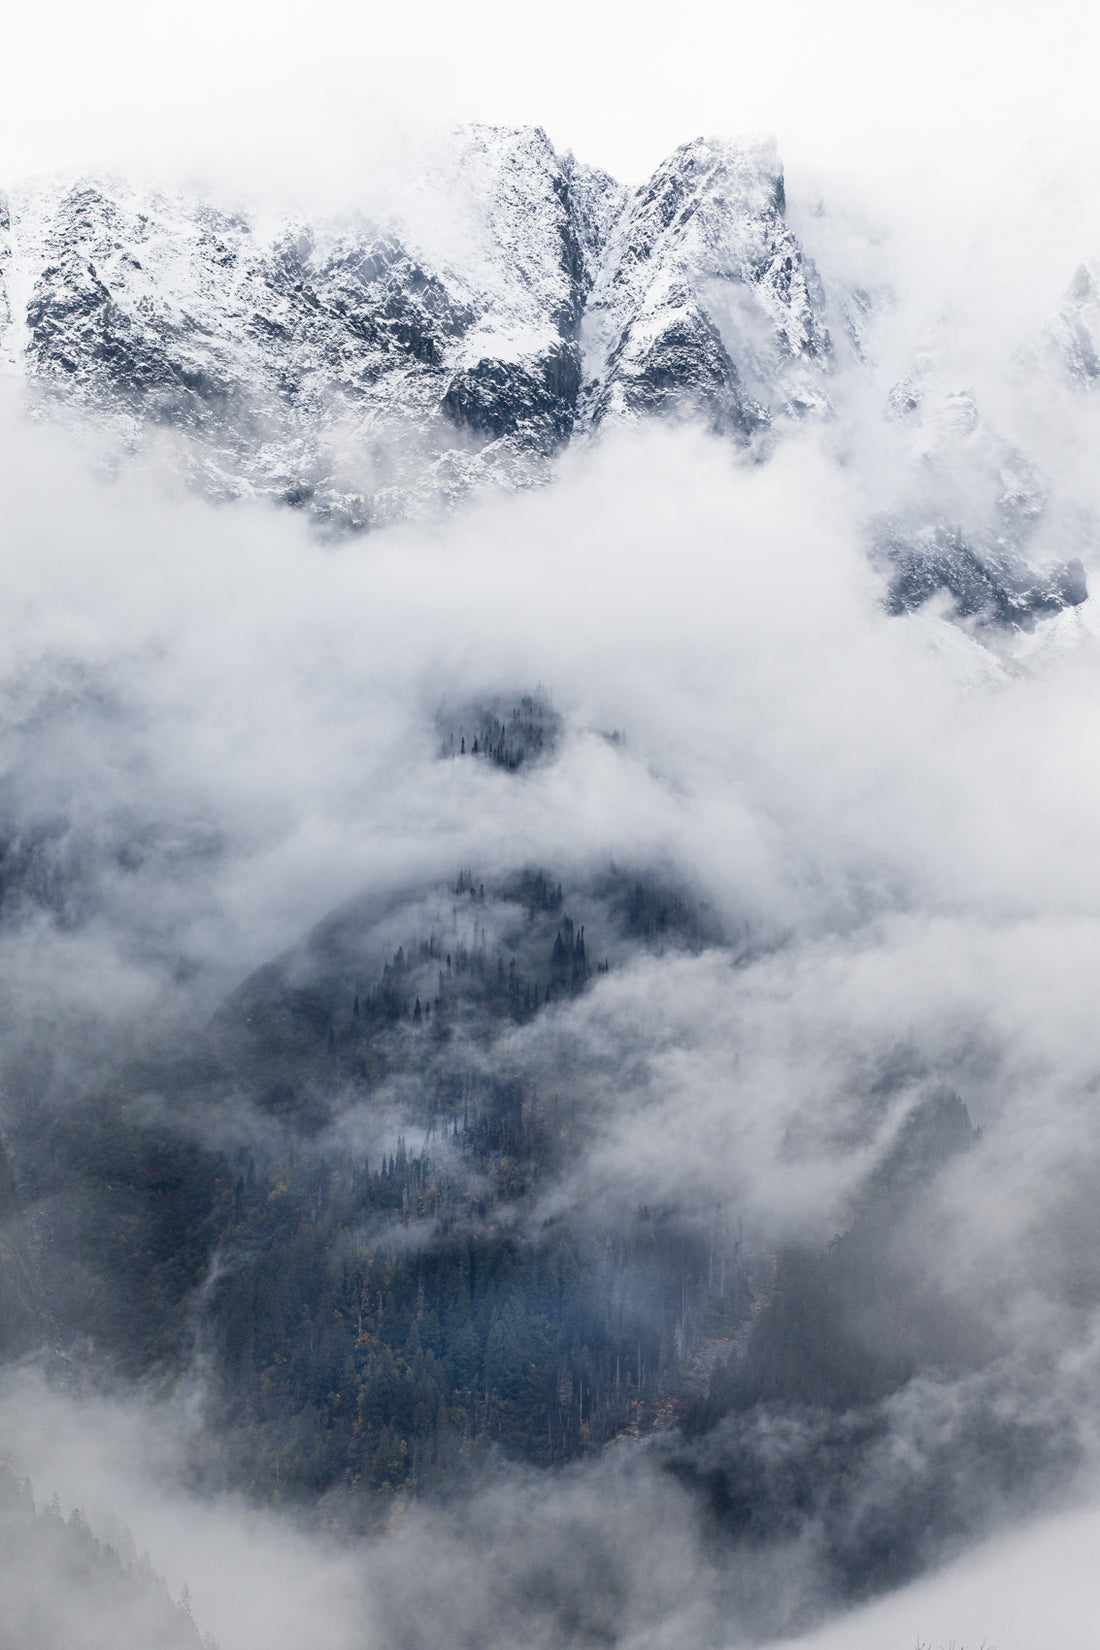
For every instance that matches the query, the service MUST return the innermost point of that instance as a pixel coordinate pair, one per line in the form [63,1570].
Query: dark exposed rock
[998,587]
[361,371]
[536,400]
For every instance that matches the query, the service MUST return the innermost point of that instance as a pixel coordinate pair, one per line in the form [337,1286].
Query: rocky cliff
[513,300]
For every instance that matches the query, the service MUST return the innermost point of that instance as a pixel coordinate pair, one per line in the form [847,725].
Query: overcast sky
[848,84]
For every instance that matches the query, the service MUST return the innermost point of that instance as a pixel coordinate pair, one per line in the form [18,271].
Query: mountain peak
[509,299]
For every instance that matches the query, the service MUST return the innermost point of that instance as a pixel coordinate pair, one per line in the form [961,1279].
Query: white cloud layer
[220,729]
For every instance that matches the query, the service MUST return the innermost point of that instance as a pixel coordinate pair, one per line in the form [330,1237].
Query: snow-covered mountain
[363,368]
[705,299]
[512,300]
[342,366]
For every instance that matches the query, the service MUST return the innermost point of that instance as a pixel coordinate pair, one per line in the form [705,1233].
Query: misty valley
[370,1272]
[548,914]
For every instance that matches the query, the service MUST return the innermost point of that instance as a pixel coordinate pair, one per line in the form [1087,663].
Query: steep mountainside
[705,301]
[335,1204]
[512,300]
[365,1270]
[20,1312]
[338,366]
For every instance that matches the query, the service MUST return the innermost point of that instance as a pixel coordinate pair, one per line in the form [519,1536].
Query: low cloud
[215,730]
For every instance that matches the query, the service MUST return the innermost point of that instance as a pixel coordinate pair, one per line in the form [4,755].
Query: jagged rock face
[5,264]
[513,300]
[973,506]
[705,301]
[366,370]
[1076,330]
[339,366]
[995,586]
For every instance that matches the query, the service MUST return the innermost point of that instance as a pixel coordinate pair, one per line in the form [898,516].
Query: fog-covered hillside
[548,910]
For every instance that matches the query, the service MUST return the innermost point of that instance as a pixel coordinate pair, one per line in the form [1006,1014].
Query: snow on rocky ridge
[514,300]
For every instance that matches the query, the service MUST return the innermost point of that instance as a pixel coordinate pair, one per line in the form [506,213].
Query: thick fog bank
[878,1021]
[608,1553]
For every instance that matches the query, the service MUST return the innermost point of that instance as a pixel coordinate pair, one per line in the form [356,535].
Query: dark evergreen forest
[379,1321]
[332,1203]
